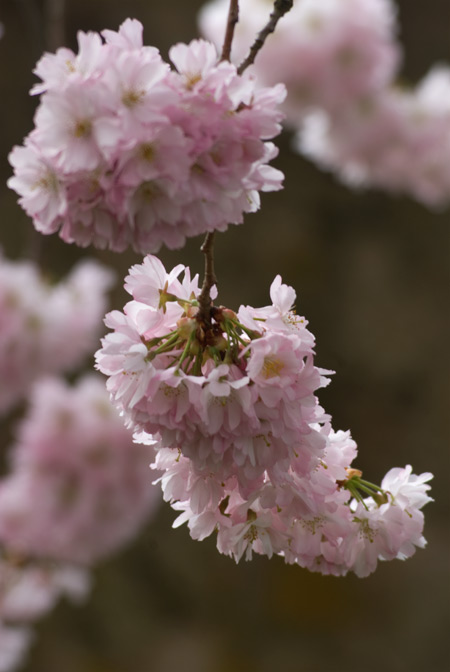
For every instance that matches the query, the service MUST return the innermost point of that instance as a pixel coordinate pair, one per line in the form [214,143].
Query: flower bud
[186,327]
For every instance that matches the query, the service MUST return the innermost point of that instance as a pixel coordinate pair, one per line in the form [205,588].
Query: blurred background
[372,276]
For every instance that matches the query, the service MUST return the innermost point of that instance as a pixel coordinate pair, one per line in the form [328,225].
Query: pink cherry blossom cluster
[28,593]
[79,486]
[78,490]
[339,60]
[309,519]
[46,328]
[227,401]
[327,52]
[126,151]
[236,393]
[398,141]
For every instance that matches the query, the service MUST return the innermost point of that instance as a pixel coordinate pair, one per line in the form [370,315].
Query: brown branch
[233,18]
[281,7]
[208,244]
[210,277]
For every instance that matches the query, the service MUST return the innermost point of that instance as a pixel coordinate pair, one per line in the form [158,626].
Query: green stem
[370,485]
[188,362]
[198,363]
[355,494]
[168,345]
[368,491]
[185,351]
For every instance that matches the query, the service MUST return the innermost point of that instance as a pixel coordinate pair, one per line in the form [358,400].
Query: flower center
[132,97]
[272,367]
[147,152]
[83,128]
[365,530]
[48,182]
[148,191]
[191,79]
[312,524]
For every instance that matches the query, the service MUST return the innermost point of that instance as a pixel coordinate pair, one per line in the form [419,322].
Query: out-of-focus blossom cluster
[46,328]
[327,52]
[28,593]
[339,60]
[78,490]
[227,401]
[126,151]
[398,141]
[79,487]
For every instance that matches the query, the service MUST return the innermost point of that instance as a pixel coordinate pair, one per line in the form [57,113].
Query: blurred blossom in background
[371,272]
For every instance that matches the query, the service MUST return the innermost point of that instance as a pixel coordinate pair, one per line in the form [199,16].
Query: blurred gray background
[372,277]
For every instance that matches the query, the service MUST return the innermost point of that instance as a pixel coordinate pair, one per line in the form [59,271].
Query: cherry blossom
[74,456]
[27,592]
[227,402]
[326,52]
[398,140]
[46,328]
[126,151]
[339,60]
[14,641]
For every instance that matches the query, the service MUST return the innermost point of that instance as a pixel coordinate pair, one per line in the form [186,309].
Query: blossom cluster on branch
[340,60]
[78,490]
[327,52]
[28,592]
[46,328]
[78,487]
[227,401]
[129,152]
[126,151]
[74,456]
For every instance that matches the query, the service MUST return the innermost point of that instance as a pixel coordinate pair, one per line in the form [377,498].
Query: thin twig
[210,277]
[233,18]
[281,7]
[208,244]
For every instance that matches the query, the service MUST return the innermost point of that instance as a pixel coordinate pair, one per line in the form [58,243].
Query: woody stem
[233,18]
[281,7]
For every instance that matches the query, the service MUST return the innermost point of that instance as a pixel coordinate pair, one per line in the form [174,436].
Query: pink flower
[395,139]
[128,152]
[327,53]
[14,642]
[46,329]
[340,61]
[195,62]
[407,489]
[27,592]
[76,458]
[42,196]
[74,129]
[30,592]
[169,375]
[228,403]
